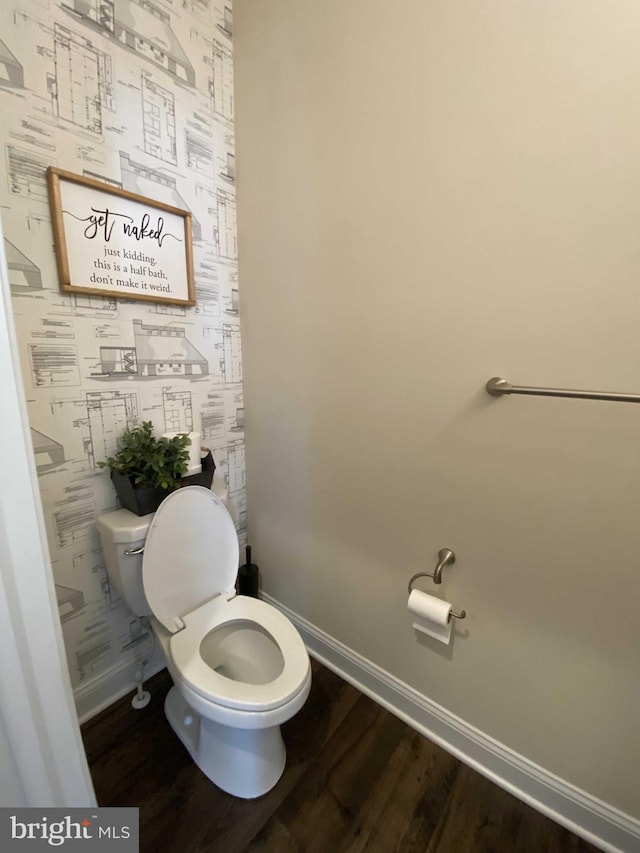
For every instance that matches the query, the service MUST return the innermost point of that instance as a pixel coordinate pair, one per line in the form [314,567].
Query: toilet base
[243,762]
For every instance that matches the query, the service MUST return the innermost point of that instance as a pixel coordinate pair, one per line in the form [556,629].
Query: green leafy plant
[149,461]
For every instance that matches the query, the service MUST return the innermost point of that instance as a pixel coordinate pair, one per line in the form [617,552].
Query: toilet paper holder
[446,557]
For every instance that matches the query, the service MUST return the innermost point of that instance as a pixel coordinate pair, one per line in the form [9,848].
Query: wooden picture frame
[111,242]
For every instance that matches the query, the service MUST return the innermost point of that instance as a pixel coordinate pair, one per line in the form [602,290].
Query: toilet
[239,667]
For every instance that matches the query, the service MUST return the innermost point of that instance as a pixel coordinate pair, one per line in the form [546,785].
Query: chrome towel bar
[497,387]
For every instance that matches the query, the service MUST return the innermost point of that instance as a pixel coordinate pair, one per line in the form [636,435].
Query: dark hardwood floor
[357,778]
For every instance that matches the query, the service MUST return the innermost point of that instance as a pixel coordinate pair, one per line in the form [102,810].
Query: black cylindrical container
[248,577]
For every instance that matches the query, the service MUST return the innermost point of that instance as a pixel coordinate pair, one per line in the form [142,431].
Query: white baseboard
[592,819]
[98,693]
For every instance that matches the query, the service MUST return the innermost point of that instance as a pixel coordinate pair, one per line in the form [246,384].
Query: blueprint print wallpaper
[138,94]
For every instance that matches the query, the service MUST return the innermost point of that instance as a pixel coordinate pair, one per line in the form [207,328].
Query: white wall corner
[36,701]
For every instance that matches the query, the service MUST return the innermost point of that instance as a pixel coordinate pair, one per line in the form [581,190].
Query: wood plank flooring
[357,779]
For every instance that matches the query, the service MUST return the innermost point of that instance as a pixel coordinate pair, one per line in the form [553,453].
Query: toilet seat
[190,554]
[189,567]
[184,647]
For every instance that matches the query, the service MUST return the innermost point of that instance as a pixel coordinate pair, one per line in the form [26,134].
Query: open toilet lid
[190,554]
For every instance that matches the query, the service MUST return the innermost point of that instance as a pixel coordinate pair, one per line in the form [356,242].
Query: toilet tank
[122,531]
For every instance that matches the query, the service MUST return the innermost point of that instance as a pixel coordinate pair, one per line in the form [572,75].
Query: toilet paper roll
[433,615]
[194,464]
[429,607]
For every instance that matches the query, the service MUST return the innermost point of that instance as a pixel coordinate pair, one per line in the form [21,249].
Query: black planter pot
[142,501]
[205,478]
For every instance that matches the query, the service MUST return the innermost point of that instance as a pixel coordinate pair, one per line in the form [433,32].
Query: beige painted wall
[430,195]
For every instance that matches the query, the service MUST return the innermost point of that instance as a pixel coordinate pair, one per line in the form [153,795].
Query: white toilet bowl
[239,667]
[229,671]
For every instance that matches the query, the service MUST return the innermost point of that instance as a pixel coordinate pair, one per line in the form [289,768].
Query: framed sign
[111,242]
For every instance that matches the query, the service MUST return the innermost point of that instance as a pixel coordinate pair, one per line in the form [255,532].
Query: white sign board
[113,242]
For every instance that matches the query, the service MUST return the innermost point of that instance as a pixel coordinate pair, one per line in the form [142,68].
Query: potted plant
[145,468]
